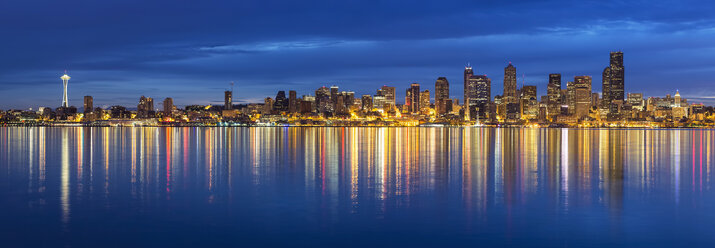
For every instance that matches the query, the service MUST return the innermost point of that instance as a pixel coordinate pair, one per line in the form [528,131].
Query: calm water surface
[357,187]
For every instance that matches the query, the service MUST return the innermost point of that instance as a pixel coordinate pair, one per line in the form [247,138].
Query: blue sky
[117,51]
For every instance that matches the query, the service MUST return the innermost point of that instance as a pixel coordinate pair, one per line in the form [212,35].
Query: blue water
[355,187]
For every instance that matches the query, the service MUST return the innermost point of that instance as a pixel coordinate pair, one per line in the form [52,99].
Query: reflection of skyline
[351,169]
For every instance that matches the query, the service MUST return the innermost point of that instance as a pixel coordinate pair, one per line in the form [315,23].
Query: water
[355,187]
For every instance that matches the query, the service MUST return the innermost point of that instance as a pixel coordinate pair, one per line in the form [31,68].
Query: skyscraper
[425,102]
[145,109]
[65,80]
[292,101]
[88,104]
[228,100]
[441,95]
[366,102]
[582,95]
[479,100]
[281,102]
[553,91]
[613,80]
[469,90]
[389,94]
[510,95]
[169,106]
[322,100]
[412,98]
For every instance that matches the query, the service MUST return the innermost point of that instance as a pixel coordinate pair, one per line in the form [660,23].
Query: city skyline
[510,78]
[165,55]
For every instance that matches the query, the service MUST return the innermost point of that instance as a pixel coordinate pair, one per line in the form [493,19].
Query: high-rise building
[389,94]
[65,80]
[228,100]
[88,104]
[528,102]
[481,86]
[570,96]
[510,95]
[268,106]
[322,100]
[425,102]
[293,101]
[366,102]
[469,89]
[582,96]
[441,95]
[281,102]
[169,106]
[412,98]
[613,80]
[553,91]
[145,109]
[334,91]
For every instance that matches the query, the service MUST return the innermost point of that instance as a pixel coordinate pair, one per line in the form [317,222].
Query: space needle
[65,80]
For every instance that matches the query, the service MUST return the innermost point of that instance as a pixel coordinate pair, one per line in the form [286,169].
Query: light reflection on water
[353,186]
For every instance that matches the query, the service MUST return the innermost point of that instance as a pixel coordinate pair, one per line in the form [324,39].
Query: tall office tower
[268,106]
[379,102]
[366,102]
[412,98]
[349,98]
[510,95]
[228,100]
[553,91]
[293,101]
[480,89]
[334,90]
[281,102]
[322,100]
[613,80]
[145,109]
[570,96]
[88,104]
[424,102]
[389,94]
[169,106]
[65,81]
[469,89]
[582,95]
[528,102]
[307,104]
[441,95]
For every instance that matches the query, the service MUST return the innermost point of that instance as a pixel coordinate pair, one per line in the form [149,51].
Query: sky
[117,51]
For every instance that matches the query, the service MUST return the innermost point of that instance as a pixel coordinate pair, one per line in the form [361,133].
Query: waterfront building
[366,103]
[169,106]
[412,98]
[441,95]
[145,109]
[581,96]
[510,94]
[613,80]
[553,91]
[425,102]
[228,100]
[281,102]
[88,104]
